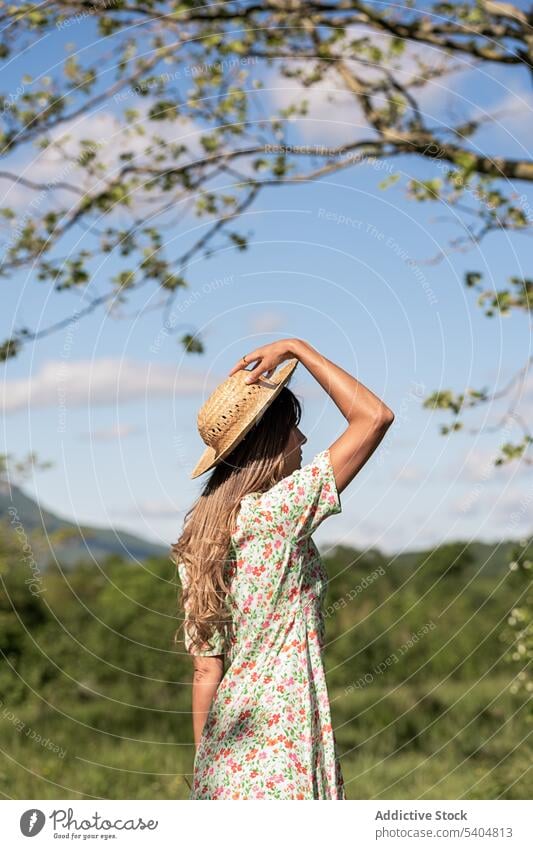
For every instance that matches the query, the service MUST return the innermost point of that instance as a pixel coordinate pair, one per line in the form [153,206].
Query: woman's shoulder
[297,504]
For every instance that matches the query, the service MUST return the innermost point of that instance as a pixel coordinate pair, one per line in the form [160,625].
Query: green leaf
[192,344]
[389,181]
[173,281]
[9,348]
[163,110]
[472,278]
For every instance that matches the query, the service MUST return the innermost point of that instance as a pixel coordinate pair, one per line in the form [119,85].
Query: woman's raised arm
[367,415]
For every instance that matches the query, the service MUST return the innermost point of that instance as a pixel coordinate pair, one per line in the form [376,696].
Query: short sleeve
[297,505]
[218,645]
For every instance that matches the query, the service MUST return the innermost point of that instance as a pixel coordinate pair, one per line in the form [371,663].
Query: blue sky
[113,402]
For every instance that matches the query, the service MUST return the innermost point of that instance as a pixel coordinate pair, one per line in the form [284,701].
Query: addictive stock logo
[31,822]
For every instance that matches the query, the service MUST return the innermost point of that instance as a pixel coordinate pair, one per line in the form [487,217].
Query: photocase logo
[31,822]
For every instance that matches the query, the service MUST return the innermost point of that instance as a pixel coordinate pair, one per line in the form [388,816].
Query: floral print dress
[268,733]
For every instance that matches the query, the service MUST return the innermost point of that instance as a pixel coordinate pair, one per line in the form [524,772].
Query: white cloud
[153,509]
[468,504]
[515,509]
[64,384]
[110,434]
[504,511]
[268,322]
[410,474]
[334,114]
[478,466]
[113,136]
[513,121]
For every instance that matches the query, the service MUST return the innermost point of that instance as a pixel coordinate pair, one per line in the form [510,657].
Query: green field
[423,686]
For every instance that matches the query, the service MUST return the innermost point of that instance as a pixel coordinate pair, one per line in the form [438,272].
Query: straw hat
[233,409]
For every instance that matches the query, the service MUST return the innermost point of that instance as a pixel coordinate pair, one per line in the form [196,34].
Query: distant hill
[487,558]
[67,542]
[62,540]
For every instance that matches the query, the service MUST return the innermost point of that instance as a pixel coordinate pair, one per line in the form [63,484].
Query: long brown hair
[254,465]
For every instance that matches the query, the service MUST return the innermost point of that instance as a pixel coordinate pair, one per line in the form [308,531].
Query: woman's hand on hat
[268,357]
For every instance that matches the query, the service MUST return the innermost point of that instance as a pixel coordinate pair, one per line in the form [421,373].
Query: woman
[254,583]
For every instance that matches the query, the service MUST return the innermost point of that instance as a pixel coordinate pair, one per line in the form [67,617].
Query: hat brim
[210,458]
